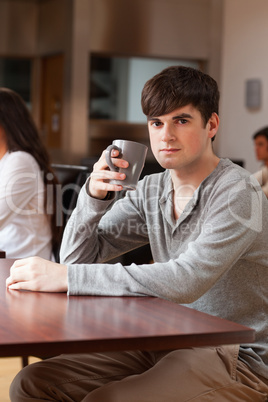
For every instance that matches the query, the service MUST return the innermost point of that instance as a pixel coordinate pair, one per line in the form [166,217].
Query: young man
[206,220]
[261,149]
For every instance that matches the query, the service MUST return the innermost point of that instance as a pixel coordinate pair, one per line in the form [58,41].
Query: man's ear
[213,125]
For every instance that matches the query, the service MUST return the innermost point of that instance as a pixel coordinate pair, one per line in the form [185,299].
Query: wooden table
[47,324]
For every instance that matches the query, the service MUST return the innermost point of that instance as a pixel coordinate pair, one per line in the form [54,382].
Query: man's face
[261,148]
[179,139]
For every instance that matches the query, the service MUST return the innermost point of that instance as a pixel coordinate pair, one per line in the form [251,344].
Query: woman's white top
[262,177]
[24,225]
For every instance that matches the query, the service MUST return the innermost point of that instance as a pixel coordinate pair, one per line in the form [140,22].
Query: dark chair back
[71,178]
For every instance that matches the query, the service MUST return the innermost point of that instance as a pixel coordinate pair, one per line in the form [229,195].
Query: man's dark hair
[178,86]
[262,132]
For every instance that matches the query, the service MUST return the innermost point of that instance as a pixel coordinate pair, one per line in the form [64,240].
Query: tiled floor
[8,369]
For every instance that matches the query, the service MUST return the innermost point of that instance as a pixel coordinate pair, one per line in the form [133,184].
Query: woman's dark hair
[178,86]
[22,135]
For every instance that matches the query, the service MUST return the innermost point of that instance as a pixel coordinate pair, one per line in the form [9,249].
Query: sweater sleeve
[100,230]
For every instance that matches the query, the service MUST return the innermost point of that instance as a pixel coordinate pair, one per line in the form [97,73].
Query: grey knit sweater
[214,258]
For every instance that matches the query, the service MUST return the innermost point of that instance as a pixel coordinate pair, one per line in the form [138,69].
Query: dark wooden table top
[47,324]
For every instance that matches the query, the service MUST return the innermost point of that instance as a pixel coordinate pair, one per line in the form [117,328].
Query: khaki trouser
[197,374]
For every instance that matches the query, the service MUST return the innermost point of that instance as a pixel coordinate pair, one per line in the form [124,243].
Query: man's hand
[99,179]
[38,274]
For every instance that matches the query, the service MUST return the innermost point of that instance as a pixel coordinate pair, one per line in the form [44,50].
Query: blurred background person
[27,184]
[261,150]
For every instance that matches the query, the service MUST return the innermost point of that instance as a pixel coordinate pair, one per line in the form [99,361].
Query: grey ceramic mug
[133,152]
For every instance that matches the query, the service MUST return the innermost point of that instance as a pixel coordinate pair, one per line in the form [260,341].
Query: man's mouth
[169,150]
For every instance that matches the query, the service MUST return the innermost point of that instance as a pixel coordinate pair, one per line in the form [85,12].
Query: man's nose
[167,133]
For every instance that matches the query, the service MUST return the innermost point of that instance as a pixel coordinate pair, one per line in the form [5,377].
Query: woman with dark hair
[27,184]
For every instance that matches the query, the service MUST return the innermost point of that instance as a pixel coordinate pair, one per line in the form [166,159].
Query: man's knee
[26,382]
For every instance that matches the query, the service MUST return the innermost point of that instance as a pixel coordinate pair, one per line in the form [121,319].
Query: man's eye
[182,121]
[156,124]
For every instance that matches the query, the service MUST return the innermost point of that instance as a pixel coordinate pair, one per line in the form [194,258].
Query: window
[116,84]
[15,73]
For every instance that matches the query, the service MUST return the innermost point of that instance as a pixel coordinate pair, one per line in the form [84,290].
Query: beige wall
[18,27]
[245,56]
[158,28]
[152,27]
[54,26]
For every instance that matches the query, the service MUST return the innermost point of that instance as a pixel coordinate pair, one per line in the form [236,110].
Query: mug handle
[109,159]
